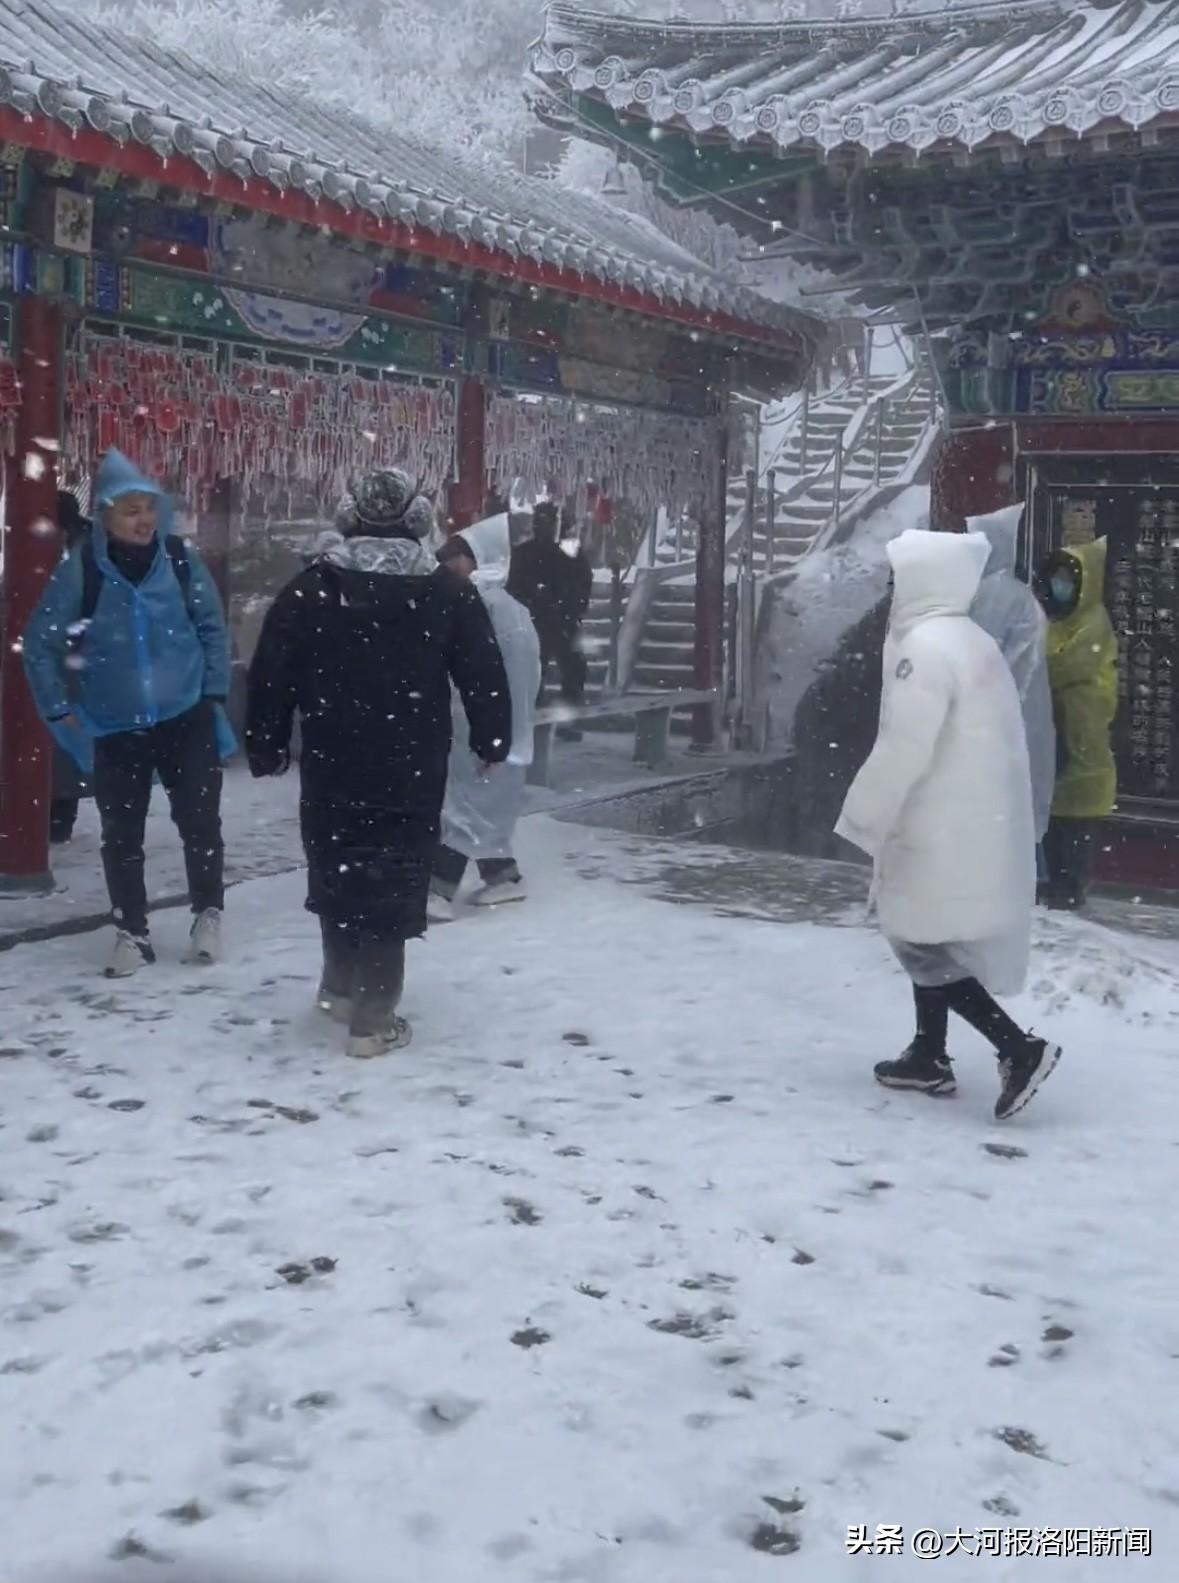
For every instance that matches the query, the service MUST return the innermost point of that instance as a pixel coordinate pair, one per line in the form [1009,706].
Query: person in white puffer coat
[943,806]
[482,806]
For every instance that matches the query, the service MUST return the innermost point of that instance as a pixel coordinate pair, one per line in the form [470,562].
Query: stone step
[658,631]
[666,677]
[673,652]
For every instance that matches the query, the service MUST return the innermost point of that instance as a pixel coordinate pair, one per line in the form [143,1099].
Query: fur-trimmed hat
[385,506]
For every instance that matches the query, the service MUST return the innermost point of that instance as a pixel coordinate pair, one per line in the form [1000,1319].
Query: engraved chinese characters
[1142,593]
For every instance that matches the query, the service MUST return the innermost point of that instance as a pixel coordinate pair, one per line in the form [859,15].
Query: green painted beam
[688,172]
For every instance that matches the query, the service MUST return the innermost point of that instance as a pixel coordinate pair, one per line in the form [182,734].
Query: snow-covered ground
[625,1272]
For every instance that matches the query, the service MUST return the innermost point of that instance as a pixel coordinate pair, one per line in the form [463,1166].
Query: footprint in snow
[188,1514]
[1022,1441]
[446,1412]
[132,1548]
[774,1539]
[696,1327]
[1001,1506]
[530,1337]
[315,1401]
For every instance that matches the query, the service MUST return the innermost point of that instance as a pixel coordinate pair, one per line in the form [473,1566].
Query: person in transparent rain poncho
[943,806]
[480,812]
[363,645]
[1007,609]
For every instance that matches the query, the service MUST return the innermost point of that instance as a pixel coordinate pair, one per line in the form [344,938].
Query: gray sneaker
[368,1046]
[204,946]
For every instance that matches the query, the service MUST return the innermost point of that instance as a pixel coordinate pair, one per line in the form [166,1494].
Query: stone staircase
[807,475]
[666,653]
[804,476]
[595,642]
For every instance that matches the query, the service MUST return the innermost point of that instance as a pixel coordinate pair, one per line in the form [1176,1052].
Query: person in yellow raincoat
[1083,674]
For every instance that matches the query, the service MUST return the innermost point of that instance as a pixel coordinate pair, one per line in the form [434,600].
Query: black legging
[972,1003]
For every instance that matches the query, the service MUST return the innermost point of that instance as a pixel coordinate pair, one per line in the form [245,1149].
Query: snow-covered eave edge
[567,61]
[66,122]
[567,24]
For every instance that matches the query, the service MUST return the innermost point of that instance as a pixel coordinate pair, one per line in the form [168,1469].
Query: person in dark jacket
[127,657]
[555,588]
[834,730]
[69,783]
[364,644]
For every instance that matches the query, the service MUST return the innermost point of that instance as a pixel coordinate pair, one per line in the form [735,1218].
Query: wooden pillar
[469,490]
[31,552]
[710,602]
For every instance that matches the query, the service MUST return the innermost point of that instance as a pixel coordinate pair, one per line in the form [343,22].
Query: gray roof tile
[918,75]
[67,68]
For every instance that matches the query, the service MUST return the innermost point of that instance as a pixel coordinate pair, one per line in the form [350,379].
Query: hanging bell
[613,184]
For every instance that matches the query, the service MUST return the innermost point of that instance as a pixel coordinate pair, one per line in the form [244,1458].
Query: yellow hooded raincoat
[1083,672]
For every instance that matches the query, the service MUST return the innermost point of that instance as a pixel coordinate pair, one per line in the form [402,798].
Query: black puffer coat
[364,644]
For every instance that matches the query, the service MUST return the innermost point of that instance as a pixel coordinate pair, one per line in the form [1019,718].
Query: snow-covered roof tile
[921,73]
[57,65]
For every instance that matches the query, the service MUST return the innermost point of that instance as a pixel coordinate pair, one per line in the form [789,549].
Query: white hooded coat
[943,804]
[1011,613]
[480,811]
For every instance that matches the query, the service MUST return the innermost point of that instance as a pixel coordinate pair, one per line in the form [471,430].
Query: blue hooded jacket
[147,654]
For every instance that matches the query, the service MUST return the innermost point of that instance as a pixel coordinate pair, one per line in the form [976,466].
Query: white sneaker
[337,1007]
[130,954]
[367,1047]
[439,909]
[503,891]
[204,945]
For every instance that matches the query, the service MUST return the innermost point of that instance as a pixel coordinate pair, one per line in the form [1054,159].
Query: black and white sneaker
[131,952]
[918,1069]
[1022,1072]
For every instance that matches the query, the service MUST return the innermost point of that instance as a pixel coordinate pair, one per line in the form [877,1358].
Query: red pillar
[31,553]
[710,604]
[214,537]
[469,490]
[973,473]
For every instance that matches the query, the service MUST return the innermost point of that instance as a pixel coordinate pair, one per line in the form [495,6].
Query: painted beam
[138,162]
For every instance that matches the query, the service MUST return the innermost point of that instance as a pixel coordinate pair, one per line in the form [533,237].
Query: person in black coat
[835,726]
[555,587]
[364,643]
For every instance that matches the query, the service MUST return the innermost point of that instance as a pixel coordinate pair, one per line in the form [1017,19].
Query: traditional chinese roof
[84,92]
[925,76]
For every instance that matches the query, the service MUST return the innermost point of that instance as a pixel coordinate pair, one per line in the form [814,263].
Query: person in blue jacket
[127,657]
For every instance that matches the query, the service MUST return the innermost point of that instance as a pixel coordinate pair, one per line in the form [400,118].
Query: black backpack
[92,576]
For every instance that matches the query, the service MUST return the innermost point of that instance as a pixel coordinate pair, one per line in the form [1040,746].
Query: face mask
[1064,589]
